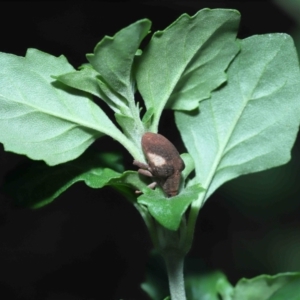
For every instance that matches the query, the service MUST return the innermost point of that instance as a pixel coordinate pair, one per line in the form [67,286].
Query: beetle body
[164,162]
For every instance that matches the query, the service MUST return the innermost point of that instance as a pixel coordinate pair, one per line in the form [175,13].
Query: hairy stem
[191,222]
[174,264]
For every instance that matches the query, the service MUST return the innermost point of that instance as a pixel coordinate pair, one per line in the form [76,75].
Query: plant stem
[191,221]
[174,264]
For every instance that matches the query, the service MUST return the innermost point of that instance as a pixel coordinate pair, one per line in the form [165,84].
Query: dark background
[92,244]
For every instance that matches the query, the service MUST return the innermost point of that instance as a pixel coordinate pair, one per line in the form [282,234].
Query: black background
[92,244]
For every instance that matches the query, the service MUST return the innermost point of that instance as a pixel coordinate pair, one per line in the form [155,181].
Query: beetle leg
[140,165]
[145,172]
[144,168]
[151,186]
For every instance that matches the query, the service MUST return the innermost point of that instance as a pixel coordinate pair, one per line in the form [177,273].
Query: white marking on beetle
[157,160]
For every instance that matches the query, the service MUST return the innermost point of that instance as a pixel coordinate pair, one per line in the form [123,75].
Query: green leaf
[251,123]
[285,286]
[168,211]
[185,62]
[289,291]
[113,58]
[205,285]
[89,80]
[147,117]
[44,119]
[127,184]
[128,124]
[39,184]
[109,76]
[189,165]
[86,79]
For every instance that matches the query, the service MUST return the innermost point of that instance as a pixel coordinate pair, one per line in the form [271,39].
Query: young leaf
[87,79]
[185,62]
[44,119]
[109,76]
[39,184]
[265,287]
[129,126]
[189,165]
[168,211]
[113,57]
[250,124]
[147,117]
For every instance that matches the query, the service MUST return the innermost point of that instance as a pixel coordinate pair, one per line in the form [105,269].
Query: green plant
[236,108]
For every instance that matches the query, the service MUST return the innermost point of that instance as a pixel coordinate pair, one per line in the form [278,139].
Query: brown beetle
[164,163]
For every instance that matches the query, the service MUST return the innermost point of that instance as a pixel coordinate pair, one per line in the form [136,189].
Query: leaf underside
[285,286]
[251,123]
[185,62]
[44,119]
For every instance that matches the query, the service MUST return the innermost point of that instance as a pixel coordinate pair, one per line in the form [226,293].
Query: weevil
[164,163]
